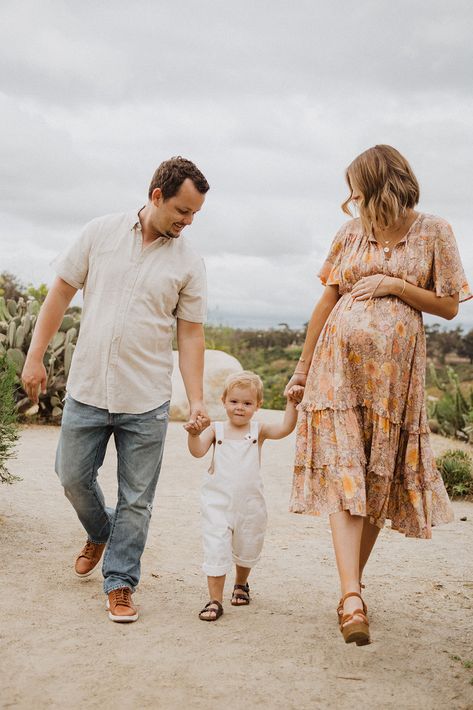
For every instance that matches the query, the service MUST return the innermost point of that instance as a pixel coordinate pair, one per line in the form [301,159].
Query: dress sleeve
[448,275]
[329,274]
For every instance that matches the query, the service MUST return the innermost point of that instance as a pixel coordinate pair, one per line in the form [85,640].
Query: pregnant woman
[363,453]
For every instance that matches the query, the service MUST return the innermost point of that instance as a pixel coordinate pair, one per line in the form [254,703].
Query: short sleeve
[192,303]
[329,274]
[72,265]
[448,275]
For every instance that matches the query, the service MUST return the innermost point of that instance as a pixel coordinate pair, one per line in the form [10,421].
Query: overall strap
[254,431]
[219,432]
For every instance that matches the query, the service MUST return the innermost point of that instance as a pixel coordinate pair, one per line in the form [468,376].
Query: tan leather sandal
[340,605]
[354,629]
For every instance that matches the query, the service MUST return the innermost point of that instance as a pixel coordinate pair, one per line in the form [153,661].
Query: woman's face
[356,196]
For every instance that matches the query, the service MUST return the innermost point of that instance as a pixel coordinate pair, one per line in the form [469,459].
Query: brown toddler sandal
[241,595]
[354,630]
[208,608]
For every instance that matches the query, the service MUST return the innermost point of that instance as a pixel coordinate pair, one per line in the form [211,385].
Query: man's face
[172,215]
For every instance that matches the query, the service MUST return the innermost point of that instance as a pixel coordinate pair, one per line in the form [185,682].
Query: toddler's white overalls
[232,504]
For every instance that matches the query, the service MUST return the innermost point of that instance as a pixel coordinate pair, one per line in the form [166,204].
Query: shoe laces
[88,550]
[122,596]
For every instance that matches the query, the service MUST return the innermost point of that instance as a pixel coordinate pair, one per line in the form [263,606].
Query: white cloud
[271,100]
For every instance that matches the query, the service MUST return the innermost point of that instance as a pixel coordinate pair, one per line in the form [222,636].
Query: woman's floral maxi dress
[362,435]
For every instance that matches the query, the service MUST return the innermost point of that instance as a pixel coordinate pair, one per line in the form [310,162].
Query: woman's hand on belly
[375,286]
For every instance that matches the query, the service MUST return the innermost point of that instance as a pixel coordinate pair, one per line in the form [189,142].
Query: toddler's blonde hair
[245,378]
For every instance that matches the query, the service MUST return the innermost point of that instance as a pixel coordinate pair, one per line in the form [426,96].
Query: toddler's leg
[217,539]
[211,611]
[241,590]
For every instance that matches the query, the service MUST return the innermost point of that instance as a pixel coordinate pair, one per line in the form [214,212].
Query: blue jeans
[139,440]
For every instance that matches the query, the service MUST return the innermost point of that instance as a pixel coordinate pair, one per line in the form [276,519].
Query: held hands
[298,380]
[295,393]
[375,286]
[198,421]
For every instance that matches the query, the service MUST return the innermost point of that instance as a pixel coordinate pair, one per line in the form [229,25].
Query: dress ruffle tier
[357,460]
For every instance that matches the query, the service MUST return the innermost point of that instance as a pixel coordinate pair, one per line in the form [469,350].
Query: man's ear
[156,196]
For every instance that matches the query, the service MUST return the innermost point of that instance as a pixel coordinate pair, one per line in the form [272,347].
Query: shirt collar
[135,219]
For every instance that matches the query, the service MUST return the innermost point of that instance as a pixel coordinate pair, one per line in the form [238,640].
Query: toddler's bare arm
[288,424]
[200,437]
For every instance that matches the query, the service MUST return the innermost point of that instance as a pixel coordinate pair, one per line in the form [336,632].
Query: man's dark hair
[171,174]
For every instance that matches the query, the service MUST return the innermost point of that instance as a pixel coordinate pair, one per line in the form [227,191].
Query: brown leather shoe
[88,558]
[120,607]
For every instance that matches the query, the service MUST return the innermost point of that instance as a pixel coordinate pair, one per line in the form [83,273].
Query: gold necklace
[388,244]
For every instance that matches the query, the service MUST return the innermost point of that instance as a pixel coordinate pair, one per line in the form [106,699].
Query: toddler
[232,501]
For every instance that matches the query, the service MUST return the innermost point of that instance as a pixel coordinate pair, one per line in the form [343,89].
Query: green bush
[456,467]
[453,411]
[8,418]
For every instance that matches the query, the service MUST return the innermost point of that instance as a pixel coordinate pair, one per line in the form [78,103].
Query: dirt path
[59,650]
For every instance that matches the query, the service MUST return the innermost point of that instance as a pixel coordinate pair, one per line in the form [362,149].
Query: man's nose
[188,219]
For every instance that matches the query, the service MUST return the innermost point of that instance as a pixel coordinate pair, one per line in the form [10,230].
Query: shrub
[8,418]
[456,467]
[453,411]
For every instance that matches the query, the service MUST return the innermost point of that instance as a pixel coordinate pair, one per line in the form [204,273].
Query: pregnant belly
[381,328]
[365,354]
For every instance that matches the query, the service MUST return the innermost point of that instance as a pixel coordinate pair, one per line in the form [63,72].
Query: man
[138,276]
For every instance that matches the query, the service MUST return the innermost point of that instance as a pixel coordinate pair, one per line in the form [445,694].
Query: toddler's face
[240,405]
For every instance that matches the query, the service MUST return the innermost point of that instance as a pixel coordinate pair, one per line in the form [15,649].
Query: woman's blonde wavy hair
[387,185]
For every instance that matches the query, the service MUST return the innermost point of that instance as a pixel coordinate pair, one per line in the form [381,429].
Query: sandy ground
[59,650]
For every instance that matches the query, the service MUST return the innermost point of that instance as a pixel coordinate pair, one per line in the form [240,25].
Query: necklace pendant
[386,249]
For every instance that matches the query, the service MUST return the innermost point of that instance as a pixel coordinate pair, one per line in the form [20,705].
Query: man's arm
[191,346]
[50,316]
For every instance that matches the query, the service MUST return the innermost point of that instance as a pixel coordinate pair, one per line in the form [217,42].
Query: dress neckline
[372,238]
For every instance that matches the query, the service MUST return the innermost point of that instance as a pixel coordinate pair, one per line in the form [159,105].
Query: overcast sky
[271,99]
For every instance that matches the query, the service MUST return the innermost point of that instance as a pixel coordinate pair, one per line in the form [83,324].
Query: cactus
[67,322]
[12,307]
[11,333]
[17,322]
[17,358]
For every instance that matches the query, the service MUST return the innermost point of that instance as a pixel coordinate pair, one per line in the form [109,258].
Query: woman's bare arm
[321,312]
[419,298]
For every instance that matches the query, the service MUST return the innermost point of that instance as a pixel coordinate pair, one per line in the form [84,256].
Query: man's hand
[198,420]
[33,378]
[196,427]
[50,316]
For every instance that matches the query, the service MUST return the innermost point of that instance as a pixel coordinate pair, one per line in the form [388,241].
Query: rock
[218,365]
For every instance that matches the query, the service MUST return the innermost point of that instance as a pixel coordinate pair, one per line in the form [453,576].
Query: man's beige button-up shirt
[132,296]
